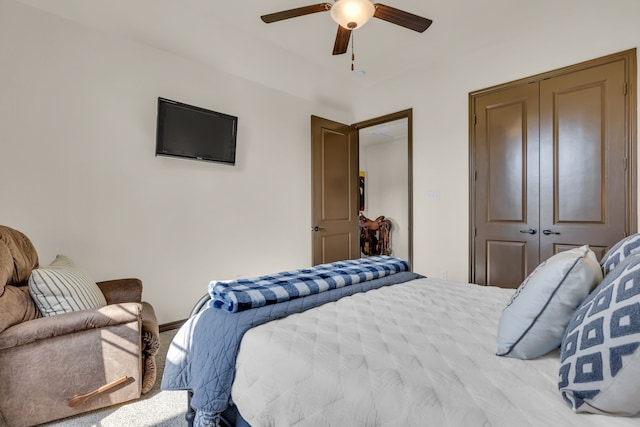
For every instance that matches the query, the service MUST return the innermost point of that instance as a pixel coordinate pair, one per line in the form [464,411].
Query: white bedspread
[417,354]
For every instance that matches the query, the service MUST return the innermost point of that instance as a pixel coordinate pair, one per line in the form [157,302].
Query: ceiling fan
[352,14]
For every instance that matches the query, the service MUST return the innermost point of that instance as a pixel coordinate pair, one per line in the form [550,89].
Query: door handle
[530,231]
[546,232]
[316,228]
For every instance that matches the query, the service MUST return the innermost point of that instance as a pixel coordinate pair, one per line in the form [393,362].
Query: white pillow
[533,322]
[600,360]
[62,287]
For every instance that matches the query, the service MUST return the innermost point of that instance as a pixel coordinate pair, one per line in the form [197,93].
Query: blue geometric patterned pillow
[599,361]
[619,252]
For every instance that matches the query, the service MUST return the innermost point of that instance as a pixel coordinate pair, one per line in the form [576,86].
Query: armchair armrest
[121,290]
[68,323]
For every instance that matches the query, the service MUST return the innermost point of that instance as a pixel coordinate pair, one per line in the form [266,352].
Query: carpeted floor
[156,408]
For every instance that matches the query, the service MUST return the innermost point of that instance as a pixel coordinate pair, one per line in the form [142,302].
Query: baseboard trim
[171,325]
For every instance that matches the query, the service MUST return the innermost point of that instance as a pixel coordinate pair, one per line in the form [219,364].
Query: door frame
[408,114]
[631,115]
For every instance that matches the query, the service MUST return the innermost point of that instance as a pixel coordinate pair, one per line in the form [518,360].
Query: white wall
[77,129]
[79,175]
[440,102]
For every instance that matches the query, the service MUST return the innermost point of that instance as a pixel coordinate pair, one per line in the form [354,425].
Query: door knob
[316,228]
[546,232]
[530,231]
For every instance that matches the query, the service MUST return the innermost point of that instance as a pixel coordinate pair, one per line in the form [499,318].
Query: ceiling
[294,55]
[384,132]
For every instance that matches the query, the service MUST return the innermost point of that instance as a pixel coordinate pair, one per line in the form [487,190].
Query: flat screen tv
[195,133]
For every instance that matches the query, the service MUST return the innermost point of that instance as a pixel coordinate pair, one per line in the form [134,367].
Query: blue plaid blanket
[244,294]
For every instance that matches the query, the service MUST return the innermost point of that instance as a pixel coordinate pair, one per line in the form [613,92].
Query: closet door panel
[580,157]
[582,149]
[506,185]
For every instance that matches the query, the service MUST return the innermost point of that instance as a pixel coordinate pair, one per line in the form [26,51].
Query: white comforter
[420,353]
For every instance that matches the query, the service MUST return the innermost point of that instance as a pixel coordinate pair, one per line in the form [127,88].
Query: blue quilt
[203,353]
[244,294]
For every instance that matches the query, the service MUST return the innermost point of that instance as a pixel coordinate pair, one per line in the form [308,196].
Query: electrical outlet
[433,195]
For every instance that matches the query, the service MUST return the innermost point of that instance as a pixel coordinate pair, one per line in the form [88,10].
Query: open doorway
[385,159]
[335,191]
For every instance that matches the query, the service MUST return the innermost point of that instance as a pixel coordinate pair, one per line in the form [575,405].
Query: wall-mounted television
[195,133]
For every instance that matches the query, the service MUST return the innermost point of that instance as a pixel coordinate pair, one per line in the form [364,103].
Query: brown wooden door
[506,185]
[334,153]
[582,159]
[554,153]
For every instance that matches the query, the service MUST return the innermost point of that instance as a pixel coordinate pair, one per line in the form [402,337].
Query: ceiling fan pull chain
[353,55]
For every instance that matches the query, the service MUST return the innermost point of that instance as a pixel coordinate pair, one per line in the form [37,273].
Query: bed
[398,351]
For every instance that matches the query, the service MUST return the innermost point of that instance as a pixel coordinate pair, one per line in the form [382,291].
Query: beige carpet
[156,408]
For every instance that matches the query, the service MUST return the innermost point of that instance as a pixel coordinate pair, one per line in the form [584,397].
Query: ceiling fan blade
[294,13]
[402,18]
[342,40]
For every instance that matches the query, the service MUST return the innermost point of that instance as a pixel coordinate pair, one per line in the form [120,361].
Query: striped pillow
[62,287]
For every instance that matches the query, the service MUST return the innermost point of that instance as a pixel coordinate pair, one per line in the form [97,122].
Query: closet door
[506,185]
[582,159]
[553,155]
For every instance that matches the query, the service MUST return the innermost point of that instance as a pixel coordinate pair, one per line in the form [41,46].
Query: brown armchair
[107,354]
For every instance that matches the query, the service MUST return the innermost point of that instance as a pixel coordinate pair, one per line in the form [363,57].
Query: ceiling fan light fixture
[352,14]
